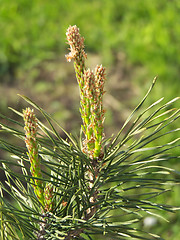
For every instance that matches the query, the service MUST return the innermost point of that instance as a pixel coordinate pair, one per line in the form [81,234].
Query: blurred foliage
[147,31]
[135,39]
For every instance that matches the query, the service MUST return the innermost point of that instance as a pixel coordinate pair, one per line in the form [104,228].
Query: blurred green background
[135,40]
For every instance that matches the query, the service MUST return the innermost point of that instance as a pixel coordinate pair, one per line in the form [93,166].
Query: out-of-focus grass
[147,32]
[135,40]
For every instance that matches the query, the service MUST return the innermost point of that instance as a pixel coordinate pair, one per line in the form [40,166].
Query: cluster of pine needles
[90,186]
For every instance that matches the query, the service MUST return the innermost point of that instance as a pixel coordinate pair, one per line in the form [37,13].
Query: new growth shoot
[91,86]
[43,192]
[30,128]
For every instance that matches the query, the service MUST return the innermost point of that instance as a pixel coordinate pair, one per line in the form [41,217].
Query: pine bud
[49,198]
[30,128]
[91,85]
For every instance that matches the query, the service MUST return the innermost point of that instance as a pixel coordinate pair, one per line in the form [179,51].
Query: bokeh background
[135,40]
